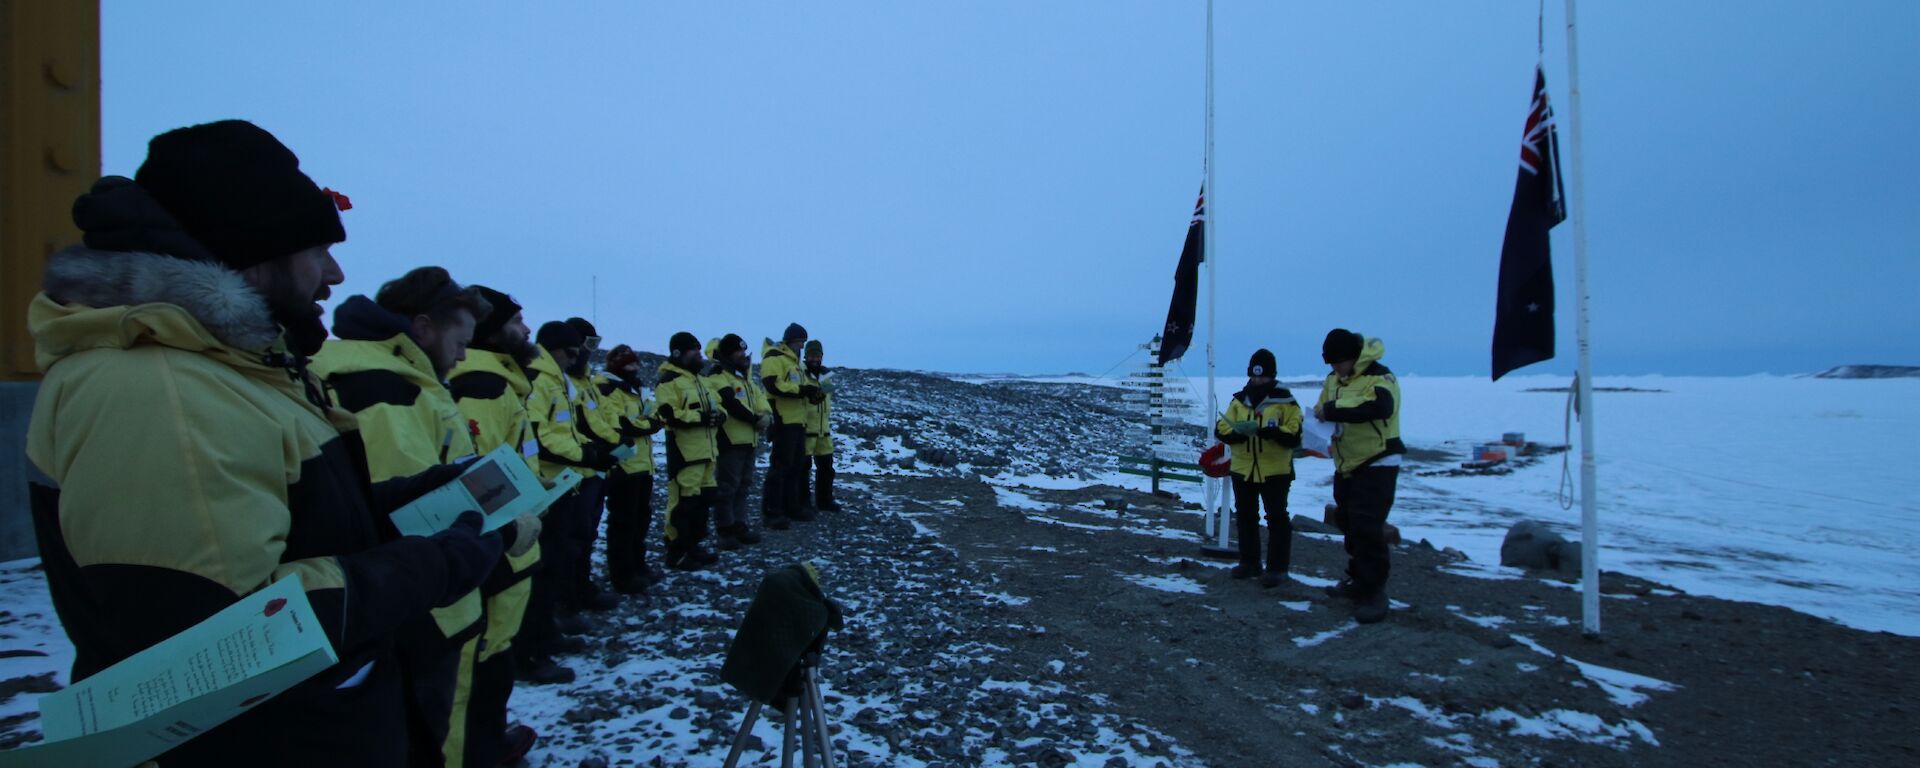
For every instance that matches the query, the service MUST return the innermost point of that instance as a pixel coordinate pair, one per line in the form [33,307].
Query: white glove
[765,422]
[526,533]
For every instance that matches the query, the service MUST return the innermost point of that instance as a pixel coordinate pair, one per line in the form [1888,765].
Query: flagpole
[1589,515]
[1208,255]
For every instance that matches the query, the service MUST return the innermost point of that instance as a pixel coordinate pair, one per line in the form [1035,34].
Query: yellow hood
[1370,354]
[498,363]
[399,355]
[547,366]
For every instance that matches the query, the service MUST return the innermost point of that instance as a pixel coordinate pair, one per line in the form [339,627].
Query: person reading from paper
[1261,428]
[183,456]
[387,366]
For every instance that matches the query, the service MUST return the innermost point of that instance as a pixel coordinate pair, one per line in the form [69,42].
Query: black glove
[469,555]
[810,392]
[597,458]
[715,418]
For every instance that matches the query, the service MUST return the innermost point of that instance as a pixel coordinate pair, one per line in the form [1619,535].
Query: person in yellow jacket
[183,457]
[1362,398]
[1261,428]
[386,366]
[599,426]
[784,378]
[559,446]
[690,412]
[737,440]
[820,429]
[490,387]
[630,488]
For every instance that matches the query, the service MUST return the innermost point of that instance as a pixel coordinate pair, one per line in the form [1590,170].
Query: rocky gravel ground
[1007,626]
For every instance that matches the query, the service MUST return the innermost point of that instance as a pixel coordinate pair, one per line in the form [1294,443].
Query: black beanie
[1261,364]
[1341,345]
[239,192]
[558,335]
[794,333]
[682,342]
[729,344]
[504,308]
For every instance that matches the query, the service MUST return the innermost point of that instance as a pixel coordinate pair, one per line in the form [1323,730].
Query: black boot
[542,670]
[683,560]
[1372,610]
[631,584]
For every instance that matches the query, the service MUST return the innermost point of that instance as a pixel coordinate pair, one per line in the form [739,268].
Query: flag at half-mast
[1178,333]
[1523,317]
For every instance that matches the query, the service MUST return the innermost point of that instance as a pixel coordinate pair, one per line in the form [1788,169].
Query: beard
[578,369]
[522,350]
[293,310]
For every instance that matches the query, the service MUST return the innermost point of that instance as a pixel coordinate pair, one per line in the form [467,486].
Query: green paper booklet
[156,699]
[499,485]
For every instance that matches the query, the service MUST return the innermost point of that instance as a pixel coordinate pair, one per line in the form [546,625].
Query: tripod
[802,700]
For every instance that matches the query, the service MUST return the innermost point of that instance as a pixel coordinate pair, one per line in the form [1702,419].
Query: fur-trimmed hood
[95,299]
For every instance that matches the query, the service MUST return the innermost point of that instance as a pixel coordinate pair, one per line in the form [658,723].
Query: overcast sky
[1004,186]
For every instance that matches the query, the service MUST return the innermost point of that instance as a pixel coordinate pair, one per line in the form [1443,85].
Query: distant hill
[1869,372]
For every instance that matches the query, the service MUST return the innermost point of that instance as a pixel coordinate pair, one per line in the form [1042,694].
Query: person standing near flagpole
[1261,428]
[1361,398]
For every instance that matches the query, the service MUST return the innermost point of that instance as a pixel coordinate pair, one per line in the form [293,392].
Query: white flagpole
[1589,515]
[1209,254]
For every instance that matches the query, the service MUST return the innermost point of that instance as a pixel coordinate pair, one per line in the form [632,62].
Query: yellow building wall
[49,150]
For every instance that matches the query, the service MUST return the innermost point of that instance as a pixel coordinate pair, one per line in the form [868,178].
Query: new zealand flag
[1178,335]
[1523,319]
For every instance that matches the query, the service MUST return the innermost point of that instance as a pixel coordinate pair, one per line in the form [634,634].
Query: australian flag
[1178,335]
[1523,319]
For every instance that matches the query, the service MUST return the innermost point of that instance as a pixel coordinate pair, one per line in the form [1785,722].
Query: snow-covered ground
[1782,490]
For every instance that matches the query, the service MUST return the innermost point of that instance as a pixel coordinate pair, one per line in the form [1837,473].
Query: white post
[1589,515]
[1210,255]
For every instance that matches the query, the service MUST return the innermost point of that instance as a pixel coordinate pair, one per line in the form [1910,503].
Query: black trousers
[629,517]
[786,471]
[732,473]
[538,633]
[586,531]
[687,505]
[487,710]
[1247,499]
[688,518]
[822,480]
[1364,498]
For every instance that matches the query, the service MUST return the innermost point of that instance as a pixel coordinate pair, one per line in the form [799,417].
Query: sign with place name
[157,699]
